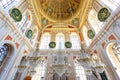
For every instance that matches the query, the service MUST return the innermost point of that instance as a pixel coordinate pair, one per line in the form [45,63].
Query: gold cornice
[36,12]
[84,12]
[81,14]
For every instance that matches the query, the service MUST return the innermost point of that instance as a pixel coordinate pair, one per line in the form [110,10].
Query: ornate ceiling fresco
[59,9]
[73,12]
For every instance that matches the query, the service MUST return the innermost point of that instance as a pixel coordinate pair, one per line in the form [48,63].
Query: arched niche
[113,59]
[6,51]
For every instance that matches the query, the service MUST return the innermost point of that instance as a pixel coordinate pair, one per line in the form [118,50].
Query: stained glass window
[3,52]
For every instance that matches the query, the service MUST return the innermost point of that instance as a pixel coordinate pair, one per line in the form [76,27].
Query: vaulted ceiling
[72,12]
[56,10]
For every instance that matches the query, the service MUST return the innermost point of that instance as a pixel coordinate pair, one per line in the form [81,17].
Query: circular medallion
[103,14]
[16,14]
[91,33]
[52,44]
[29,34]
[44,21]
[75,21]
[68,44]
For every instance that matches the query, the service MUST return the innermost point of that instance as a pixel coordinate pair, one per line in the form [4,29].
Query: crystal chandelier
[60,65]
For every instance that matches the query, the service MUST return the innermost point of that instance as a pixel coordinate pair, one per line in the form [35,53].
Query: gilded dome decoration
[59,9]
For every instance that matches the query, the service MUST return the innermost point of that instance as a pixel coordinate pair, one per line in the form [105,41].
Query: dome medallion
[55,10]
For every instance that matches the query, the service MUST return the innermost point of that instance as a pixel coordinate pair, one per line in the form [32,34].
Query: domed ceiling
[56,10]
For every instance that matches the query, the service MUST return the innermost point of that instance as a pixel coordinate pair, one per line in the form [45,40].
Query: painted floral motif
[16,14]
[103,14]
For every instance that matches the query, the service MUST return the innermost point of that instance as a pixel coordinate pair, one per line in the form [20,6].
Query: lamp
[60,65]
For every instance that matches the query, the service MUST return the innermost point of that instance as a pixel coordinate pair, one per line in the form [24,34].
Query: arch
[45,40]
[7,49]
[113,60]
[74,38]
[94,22]
[26,21]
[60,40]
[87,40]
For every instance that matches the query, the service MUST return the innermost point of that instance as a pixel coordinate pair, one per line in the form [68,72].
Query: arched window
[112,4]
[25,23]
[21,24]
[5,3]
[74,38]
[60,40]
[87,40]
[94,22]
[3,52]
[116,50]
[6,51]
[113,53]
[79,71]
[45,41]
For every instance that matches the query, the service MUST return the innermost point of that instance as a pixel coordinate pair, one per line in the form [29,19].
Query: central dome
[56,10]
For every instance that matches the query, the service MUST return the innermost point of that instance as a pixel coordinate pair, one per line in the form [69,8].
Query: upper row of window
[60,40]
